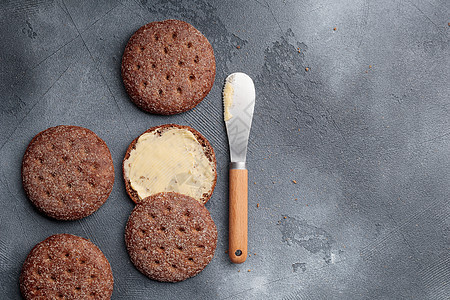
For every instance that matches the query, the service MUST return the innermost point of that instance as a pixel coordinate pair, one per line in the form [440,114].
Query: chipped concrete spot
[28,30]
[311,238]
[297,266]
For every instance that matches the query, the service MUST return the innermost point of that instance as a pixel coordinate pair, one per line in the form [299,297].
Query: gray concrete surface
[364,133]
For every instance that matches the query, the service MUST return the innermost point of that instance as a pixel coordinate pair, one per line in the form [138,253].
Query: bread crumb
[226,251]
[299,51]
[370,66]
[239,270]
[295,199]
[257,204]
[249,270]
[249,255]
[334,28]
[306,69]
[254,253]
[294,181]
[254,182]
[285,217]
[238,47]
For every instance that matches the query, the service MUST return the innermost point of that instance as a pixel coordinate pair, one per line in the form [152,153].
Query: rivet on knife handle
[238,102]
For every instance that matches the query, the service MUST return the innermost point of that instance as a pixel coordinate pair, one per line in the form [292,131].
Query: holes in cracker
[174,266]
[174,35]
[191,259]
[78,288]
[180,63]
[156,37]
[53,278]
[153,216]
[141,48]
[182,229]
[162,248]
[138,67]
[157,262]
[53,174]
[69,271]
[192,77]
[53,146]
[145,83]
[82,261]
[168,76]
[47,193]
[160,91]
[196,59]
[144,248]
[162,228]
[179,90]
[201,247]
[93,276]
[180,248]
[168,208]
[60,295]
[153,66]
[166,50]
[69,185]
[40,178]
[198,228]
[79,169]
[41,160]
[67,254]
[65,158]
[189,45]
[143,231]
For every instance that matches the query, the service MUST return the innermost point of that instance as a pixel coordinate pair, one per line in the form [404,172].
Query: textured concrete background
[364,133]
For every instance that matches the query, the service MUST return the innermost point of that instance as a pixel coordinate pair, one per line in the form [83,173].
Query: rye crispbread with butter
[168,67]
[170,237]
[197,184]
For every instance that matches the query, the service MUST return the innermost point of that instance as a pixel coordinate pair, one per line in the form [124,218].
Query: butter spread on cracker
[228,92]
[173,161]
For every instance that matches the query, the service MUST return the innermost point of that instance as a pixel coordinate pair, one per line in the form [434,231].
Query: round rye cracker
[66,266]
[170,237]
[168,67]
[201,187]
[67,172]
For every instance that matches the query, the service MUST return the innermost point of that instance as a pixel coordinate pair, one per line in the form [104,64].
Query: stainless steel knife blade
[238,113]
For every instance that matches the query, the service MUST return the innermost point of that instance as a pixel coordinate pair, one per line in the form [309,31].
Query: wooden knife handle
[238,216]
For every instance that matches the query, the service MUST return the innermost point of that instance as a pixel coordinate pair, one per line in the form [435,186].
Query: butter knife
[239,103]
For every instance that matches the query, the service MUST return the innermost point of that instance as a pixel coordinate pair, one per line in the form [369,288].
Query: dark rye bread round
[208,149]
[168,67]
[67,172]
[170,237]
[66,266]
